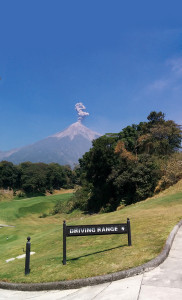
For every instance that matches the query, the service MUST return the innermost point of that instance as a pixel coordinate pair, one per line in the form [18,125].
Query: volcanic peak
[75,129]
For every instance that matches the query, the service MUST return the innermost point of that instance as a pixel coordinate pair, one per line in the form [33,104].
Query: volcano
[64,147]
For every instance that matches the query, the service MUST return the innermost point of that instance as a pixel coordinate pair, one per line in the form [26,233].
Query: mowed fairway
[151,222]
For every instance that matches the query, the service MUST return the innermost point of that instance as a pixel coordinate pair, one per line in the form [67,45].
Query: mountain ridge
[64,147]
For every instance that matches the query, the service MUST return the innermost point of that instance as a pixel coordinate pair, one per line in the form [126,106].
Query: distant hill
[5,154]
[64,147]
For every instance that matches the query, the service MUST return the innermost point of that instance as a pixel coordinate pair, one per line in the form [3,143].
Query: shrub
[172,172]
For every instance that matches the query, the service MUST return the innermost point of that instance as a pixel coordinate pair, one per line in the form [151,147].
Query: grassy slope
[151,222]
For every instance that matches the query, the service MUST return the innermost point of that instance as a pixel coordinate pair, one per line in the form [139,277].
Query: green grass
[151,222]
[11,210]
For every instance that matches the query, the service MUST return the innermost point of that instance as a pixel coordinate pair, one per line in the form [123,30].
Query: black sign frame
[87,230]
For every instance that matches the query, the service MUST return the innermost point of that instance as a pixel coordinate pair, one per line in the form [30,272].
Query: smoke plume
[81,114]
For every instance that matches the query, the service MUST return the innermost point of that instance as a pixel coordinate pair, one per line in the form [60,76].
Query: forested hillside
[128,167]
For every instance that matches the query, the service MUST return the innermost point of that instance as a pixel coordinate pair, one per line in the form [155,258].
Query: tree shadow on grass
[76,258]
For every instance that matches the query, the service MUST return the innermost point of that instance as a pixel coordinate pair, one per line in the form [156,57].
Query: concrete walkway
[163,282]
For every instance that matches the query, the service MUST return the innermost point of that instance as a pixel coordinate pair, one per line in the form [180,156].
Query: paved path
[164,282]
[3,225]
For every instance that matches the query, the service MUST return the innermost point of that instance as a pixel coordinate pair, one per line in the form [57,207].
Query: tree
[56,176]
[33,178]
[9,175]
[129,135]
[96,165]
[135,180]
[156,117]
[166,138]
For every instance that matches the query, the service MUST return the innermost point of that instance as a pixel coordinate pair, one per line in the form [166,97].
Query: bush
[80,199]
[172,172]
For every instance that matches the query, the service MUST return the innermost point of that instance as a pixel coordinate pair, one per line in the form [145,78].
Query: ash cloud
[81,114]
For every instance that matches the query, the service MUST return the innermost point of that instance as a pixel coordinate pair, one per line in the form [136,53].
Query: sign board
[102,229]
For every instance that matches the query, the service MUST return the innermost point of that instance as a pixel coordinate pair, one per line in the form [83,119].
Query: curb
[78,283]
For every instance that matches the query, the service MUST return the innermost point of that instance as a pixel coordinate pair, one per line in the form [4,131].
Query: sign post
[102,229]
[27,257]
[129,232]
[64,242]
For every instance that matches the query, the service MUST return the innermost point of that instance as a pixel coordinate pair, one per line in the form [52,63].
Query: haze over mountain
[64,147]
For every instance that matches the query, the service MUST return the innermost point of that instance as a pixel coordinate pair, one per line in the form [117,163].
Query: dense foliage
[35,178]
[126,167]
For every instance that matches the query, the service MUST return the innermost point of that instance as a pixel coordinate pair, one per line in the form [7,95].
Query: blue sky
[122,59]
